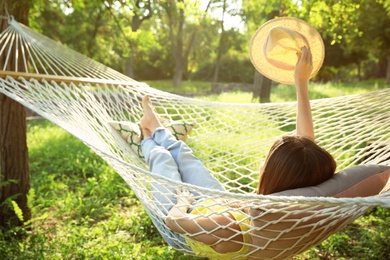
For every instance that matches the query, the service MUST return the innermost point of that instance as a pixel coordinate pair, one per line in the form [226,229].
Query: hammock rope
[82,96]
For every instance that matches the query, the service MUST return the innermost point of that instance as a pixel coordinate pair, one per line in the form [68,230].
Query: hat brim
[256,48]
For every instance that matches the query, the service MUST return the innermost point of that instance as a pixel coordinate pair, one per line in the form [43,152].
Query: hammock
[82,96]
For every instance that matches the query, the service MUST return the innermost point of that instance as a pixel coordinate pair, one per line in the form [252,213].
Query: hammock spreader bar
[65,79]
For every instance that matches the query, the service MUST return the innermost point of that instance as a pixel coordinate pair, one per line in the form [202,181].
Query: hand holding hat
[304,66]
[274,48]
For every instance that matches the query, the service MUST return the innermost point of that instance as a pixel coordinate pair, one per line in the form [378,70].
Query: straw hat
[274,46]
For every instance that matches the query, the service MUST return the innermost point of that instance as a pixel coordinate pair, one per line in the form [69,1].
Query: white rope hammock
[82,96]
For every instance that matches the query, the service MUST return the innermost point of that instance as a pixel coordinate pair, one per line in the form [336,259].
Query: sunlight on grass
[89,212]
[186,86]
[279,92]
[83,209]
[229,97]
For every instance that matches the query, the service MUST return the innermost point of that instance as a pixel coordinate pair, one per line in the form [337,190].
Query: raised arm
[218,230]
[304,124]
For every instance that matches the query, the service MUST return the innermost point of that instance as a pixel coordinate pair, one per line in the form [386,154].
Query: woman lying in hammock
[292,162]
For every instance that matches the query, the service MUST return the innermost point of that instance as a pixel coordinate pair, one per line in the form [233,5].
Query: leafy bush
[231,70]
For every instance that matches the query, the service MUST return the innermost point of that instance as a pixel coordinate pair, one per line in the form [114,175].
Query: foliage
[356,34]
[240,73]
[356,241]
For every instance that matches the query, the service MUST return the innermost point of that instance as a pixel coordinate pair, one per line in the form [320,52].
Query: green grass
[279,93]
[186,86]
[82,209]
[282,93]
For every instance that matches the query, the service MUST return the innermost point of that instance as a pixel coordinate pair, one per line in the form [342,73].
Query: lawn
[82,209]
[279,93]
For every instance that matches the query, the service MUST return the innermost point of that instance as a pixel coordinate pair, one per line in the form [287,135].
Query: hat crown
[275,45]
[282,46]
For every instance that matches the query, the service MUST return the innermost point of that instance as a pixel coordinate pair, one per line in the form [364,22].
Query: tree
[374,39]
[220,43]
[182,32]
[14,167]
[140,11]
[261,88]
[176,18]
[356,32]
[257,13]
[78,24]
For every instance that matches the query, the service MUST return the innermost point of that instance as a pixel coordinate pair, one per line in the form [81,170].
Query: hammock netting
[81,96]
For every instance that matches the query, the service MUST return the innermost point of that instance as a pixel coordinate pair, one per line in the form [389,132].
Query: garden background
[79,208]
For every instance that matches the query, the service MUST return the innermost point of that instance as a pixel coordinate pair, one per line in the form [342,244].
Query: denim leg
[192,170]
[161,162]
[173,159]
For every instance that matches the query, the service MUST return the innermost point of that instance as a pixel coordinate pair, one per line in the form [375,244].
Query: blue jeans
[168,157]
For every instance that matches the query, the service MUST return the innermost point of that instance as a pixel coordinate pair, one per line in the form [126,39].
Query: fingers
[185,195]
[299,55]
[302,54]
[304,65]
[306,55]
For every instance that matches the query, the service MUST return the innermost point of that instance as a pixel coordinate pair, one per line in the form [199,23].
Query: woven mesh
[231,139]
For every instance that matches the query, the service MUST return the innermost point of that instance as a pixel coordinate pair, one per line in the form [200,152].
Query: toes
[146,101]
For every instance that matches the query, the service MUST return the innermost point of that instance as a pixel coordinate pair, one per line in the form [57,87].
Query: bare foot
[145,133]
[149,121]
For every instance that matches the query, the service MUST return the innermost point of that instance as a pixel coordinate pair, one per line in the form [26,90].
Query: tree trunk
[218,60]
[265,91]
[257,81]
[91,43]
[14,168]
[262,84]
[129,70]
[359,69]
[178,74]
[135,25]
[177,45]
[388,70]
[261,88]
[129,65]
[220,45]
[142,11]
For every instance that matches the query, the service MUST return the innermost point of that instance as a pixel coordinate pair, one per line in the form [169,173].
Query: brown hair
[294,162]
